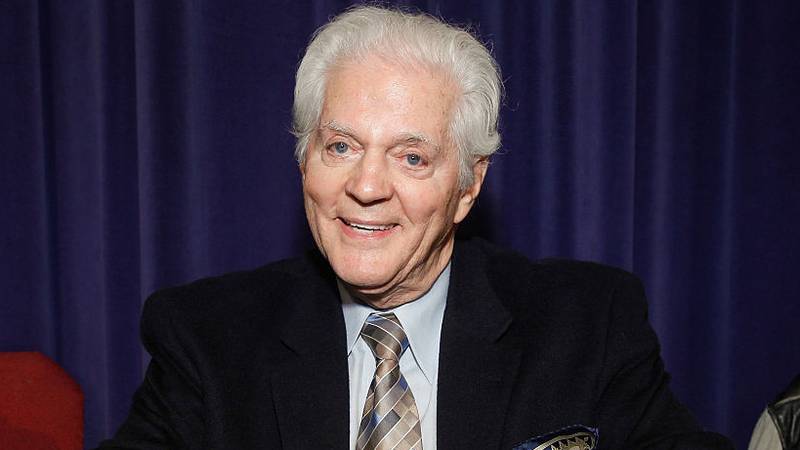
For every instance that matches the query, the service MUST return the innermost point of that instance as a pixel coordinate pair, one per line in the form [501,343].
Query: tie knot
[385,336]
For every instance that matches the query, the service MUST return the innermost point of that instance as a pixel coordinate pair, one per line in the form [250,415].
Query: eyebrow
[335,126]
[406,137]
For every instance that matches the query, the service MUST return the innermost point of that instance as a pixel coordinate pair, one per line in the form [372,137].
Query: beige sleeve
[765,435]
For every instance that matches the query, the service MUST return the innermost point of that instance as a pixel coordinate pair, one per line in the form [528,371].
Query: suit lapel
[310,388]
[477,368]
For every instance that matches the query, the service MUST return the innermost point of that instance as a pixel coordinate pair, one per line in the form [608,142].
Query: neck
[417,282]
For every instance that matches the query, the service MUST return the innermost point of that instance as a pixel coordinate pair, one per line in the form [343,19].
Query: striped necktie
[390,419]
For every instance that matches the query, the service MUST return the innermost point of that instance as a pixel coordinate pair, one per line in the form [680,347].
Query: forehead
[380,96]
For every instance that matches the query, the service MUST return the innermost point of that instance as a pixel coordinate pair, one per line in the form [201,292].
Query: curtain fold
[145,144]
[686,162]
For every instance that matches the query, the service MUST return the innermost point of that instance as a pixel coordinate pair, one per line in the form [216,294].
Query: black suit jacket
[258,360]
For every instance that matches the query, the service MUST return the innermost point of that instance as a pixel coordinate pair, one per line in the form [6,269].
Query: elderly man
[394,336]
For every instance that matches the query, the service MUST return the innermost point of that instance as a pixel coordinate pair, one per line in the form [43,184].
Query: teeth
[369,227]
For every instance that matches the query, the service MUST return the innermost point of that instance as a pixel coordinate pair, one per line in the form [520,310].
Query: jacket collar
[476,366]
[310,385]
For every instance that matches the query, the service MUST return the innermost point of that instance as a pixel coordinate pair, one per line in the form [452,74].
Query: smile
[368,228]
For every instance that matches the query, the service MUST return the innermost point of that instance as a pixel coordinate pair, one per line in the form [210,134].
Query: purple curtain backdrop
[146,144]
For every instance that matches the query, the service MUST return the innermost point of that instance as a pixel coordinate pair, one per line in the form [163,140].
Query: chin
[362,276]
[363,279]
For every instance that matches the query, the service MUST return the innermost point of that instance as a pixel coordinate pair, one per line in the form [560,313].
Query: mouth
[369,228]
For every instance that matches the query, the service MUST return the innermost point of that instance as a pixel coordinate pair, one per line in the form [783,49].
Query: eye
[340,148]
[413,159]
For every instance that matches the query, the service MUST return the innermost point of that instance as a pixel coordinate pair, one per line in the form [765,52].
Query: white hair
[418,38]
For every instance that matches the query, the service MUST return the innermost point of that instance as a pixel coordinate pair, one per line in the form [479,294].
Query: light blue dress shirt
[422,322]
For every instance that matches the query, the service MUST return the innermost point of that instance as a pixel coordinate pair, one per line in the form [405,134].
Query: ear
[470,193]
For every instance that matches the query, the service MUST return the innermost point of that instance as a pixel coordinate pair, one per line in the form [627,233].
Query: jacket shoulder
[234,303]
[517,275]
[209,291]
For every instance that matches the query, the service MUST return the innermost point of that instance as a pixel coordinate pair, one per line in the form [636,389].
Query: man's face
[380,179]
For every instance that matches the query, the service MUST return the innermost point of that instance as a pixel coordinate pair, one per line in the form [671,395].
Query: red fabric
[41,406]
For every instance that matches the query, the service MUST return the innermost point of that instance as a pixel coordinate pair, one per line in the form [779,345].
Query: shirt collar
[421,319]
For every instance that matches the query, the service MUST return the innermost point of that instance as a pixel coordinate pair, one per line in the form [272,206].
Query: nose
[369,181]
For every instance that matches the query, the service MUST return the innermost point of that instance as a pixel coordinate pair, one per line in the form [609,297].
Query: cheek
[431,201]
[423,203]
[318,203]
[321,186]
[315,206]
